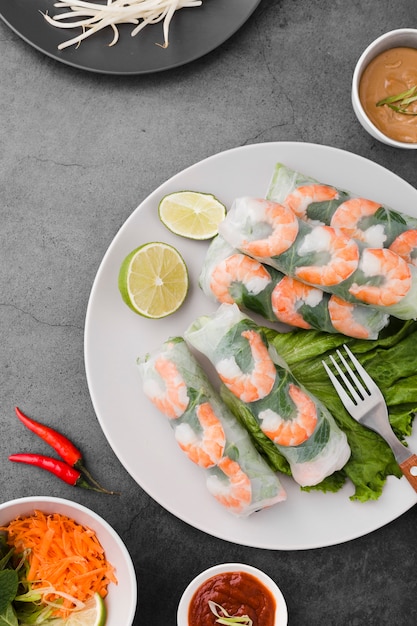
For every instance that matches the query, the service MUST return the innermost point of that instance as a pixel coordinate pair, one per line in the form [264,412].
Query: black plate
[193,33]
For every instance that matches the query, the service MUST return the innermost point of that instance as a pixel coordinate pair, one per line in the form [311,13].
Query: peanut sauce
[390,73]
[237,592]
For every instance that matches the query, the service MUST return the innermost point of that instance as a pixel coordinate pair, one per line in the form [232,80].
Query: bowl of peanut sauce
[384,88]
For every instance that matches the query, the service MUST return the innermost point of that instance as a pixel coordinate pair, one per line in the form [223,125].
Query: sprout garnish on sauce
[400,102]
[224,617]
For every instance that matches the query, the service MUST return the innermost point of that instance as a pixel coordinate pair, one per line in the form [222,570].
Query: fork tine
[362,371]
[359,386]
[345,398]
[353,392]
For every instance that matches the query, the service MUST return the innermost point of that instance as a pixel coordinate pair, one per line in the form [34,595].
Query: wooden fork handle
[409,469]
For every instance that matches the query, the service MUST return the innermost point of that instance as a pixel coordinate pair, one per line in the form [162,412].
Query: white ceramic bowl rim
[400,36]
[120,597]
[281,613]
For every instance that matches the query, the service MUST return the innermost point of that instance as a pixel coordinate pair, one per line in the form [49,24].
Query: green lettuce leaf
[391,361]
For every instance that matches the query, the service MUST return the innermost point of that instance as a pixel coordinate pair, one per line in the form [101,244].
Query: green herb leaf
[8,617]
[8,588]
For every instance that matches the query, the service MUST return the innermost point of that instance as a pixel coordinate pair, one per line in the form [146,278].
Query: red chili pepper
[62,445]
[62,470]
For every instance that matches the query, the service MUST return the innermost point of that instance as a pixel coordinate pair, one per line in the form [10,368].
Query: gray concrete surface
[78,153]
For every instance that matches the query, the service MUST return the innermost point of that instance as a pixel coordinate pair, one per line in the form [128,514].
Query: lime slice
[192,214]
[153,280]
[94,614]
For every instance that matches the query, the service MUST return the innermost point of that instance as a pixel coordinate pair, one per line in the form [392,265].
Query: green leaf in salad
[8,617]
[20,605]
[9,582]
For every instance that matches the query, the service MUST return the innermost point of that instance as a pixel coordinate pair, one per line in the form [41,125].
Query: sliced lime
[192,214]
[153,280]
[94,614]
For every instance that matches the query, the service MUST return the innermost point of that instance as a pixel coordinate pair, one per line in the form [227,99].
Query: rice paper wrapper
[286,409]
[368,220]
[237,475]
[322,256]
[229,276]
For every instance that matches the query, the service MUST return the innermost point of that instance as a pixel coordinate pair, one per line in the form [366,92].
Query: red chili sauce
[237,592]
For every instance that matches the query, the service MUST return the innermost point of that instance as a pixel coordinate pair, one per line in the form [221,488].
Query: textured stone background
[78,153]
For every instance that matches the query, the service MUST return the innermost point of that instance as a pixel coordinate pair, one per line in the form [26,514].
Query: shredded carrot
[62,554]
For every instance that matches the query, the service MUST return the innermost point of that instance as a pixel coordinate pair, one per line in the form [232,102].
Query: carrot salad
[63,556]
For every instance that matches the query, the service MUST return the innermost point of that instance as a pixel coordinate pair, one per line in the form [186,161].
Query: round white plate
[115,336]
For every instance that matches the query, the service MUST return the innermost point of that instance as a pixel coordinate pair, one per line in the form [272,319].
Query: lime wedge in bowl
[94,614]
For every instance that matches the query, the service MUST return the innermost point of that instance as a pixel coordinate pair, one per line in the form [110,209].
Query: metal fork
[364,401]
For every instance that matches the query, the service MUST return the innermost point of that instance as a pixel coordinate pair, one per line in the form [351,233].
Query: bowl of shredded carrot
[59,560]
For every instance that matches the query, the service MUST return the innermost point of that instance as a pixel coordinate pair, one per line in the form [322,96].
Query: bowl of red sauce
[232,590]
[384,88]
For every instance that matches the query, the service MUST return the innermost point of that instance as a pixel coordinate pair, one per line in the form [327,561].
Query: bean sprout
[94,16]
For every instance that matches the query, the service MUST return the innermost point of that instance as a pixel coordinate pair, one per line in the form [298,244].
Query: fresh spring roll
[301,427]
[322,256]
[208,433]
[372,223]
[233,277]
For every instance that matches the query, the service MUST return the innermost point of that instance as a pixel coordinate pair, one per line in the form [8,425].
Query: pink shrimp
[283,225]
[405,245]
[288,295]
[238,268]
[171,399]
[300,199]
[234,494]
[257,383]
[348,215]
[342,317]
[395,277]
[341,257]
[294,431]
[206,449]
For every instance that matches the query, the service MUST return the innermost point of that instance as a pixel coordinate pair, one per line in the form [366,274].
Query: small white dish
[281,613]
[121,598]
[402,37]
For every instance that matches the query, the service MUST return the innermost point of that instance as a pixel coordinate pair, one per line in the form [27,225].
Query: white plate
[115,336]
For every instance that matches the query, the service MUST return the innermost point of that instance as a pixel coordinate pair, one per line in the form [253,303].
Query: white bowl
[121,598]
[281,614]
[402,37]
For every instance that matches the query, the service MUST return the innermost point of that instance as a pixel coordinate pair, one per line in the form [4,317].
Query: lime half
[94,614]
[192,214]
[153,280]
